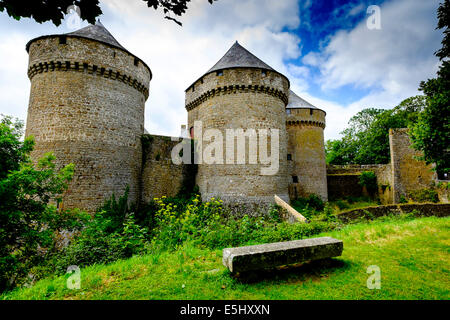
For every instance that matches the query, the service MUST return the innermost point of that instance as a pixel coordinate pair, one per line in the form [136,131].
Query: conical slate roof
[239,57]
[295,102]
[97,32]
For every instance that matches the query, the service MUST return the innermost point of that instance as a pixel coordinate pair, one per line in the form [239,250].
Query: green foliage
[386,242]
[174,226]
[43,11]
[115,211]
[444,23]
[205,225]
[100,243]
[313,202]
[366,140]
[13,151]
[28,224]
[403,199]
[368,179]
[274,213]
[329,212]
[342,204]
[431,133]
[424,195]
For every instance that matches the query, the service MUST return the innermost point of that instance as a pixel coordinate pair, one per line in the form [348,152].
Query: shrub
[368,179]
[174,226]
[97,244]
[342,204]
[313,202]
[28,223]
[424,195]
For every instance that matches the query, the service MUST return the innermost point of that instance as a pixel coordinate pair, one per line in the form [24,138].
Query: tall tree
[431,133]
[366,140]
[54,10]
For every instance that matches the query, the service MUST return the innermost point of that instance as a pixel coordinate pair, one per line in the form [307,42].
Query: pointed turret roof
[97,32]
[239,57]
[295,102]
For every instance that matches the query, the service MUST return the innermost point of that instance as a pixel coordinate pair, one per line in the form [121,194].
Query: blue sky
[325,48]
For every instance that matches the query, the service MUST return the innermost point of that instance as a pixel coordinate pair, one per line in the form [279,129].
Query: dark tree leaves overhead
[54,10]
[177,7]
[50,10]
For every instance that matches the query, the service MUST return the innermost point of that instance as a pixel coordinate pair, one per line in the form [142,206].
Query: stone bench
[268,256]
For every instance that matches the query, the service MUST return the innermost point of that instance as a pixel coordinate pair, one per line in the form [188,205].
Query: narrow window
[264,73]
[193,88]
[219,73]
[311,111]
[62,40]
[136,62]
[295,179]
[201,80]
[289,157]
[288,111]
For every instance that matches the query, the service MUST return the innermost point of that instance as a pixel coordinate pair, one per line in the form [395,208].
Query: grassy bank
[413,256]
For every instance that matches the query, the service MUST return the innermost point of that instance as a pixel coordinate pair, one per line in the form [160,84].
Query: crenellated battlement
[92,69]
[306,123]
[234,89]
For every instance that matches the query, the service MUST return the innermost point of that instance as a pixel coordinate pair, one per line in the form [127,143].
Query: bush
[368,179]
[174,226]
[312,202]
[424,195]
[205,225]
[97,244]
[28,223]
[342,204]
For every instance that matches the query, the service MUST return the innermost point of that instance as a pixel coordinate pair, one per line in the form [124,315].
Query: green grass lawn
[413,255]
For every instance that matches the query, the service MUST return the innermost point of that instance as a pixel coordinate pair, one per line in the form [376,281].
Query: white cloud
[14,83]
[389,62]
[180,55]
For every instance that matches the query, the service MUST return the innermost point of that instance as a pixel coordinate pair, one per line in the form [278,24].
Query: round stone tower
[306,149]
[241,92]
[86,106]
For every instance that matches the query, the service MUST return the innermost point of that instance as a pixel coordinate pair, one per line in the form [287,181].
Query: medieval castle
[87,103]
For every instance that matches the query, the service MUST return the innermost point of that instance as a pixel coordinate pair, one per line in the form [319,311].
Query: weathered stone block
[267,256]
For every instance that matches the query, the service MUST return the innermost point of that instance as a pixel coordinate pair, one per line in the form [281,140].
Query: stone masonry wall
[343,181]
[87,107]
[160,176]
[306,147]
[409,174]
[241,99]
[404,174]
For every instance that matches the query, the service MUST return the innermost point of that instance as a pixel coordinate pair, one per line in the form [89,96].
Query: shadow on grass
[313,270]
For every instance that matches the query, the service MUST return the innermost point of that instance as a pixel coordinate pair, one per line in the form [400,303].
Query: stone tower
[241,92]
[86,106]
[306,149]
